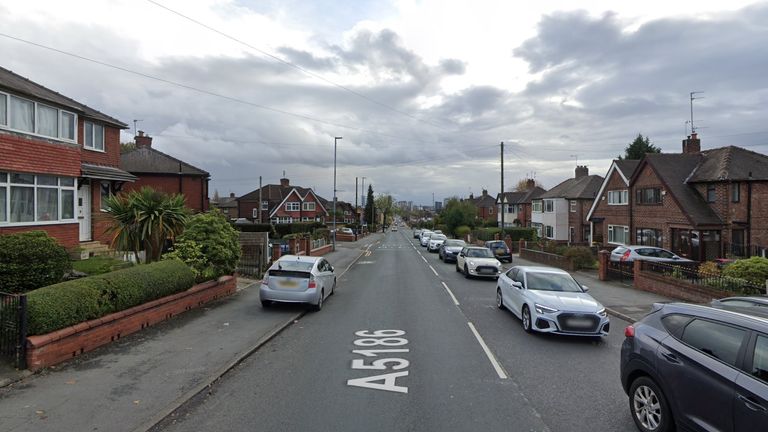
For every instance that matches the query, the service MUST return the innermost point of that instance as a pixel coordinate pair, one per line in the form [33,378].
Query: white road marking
[499,371]
[434,271]
[425,260]
[456,302]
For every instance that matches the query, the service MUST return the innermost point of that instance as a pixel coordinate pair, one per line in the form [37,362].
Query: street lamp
[335,140]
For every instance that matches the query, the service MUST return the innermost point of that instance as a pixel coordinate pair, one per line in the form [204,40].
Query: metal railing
[623,271]
[694,275]
[318,243]
[13,329]
[744,251]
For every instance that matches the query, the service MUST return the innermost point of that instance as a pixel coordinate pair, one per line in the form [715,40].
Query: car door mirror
[331,267]
[518,285]
[584,288]
[461,254]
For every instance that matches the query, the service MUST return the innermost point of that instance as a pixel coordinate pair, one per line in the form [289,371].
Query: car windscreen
[454,243]
[551,282]
[437,237]
[480,253]
[301,266]
[497,245]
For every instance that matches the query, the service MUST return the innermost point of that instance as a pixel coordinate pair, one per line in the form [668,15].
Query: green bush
[191,253]
[296,228]
[31,260]
[255,228]
[322,233]
[581,256]
[442,227]
[218,241]
[516,233]
[462,231]
[754,270]
[486,234]
[490,224]
[64,304]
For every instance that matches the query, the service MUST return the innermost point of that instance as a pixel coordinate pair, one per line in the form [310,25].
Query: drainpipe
[749,213]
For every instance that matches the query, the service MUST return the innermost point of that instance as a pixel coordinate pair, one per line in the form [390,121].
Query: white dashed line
[499,371]
[434,271]
[425,260]
[456,302]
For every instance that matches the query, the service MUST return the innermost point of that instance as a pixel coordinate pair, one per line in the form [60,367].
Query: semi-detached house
[281,204]
[515,207]
[609,214]
[59,160]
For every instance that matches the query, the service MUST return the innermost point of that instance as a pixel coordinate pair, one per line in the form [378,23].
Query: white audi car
[550,300]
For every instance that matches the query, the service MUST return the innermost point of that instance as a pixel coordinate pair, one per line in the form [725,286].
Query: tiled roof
[483,201]
[524,197]
[730,163]
[275,194]
[147,160]
[627,166]
[21,86]
[576,188]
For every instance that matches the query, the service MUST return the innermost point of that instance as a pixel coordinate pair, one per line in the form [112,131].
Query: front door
[84,212]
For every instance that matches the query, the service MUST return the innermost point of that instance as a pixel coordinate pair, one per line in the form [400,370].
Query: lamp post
[335,140]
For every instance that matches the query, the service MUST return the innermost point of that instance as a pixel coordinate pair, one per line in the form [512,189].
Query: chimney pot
[231,194]
[143,140]
[530,183]
[581,171]
[485,192]
[692,144]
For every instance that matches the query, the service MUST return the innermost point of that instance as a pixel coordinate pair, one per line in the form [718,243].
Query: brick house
[560,213]
[610,212]
[282,203]
[485,204]
[227,205]
[58,160]
[517,205]
[165,173]
[701,204]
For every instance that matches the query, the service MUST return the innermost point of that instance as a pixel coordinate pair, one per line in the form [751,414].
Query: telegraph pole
[502,189]
[261,208]
[335,140]
[356,208]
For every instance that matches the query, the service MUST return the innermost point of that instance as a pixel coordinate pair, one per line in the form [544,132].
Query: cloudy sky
[422,92]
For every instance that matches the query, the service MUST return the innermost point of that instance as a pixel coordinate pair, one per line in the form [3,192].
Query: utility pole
[135,121]
[261,206]
[356,208]
[362,203]
[335,140]
[502,190]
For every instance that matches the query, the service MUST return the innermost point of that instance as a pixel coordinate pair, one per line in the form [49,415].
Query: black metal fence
[695,275]
[622,271]
[13,329]
[744,251]
[254,254]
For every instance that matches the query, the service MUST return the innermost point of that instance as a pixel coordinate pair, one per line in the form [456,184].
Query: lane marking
[456,302]
[499,371]
[434,271]
[425,260]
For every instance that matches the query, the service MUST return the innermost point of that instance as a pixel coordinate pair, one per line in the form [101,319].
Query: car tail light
[629,331]
[626,255]
[312,284]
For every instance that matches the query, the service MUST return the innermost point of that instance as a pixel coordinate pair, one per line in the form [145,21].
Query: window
[67,126]
[94,136]
[106,192]
[308,206]
[648,237]
[648,196]
[3,109]
[549,231]
[675,324]
[265,205]
[538,227]
[47,121]
[618,197]
[711,193]
[22,114]
[735,192]
[292,206]
[28,198]
[759,367]
[717,340]
[490,210]
[255,213]
[618,234]
[305,219]
[549,206]
[285,220]
[536,206]
[573,206]
[35,118]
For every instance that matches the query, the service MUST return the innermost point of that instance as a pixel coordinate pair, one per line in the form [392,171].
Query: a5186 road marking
[380,341]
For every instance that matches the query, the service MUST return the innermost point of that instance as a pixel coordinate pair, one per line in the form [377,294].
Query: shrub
[462,231]
[191,253]
[64,304]
[295,228]
[709,269]
[490,224]
[521,233]
[754,270]
[486,234]
[31,260]
[218,241]
[442,227]
[580,256]
[322,233]
[255,228]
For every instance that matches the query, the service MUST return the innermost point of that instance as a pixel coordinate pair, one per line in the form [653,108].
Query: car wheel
[266,303]
[319,305]
[466,271]
[526,319]
[333,288]
[499,301]
[457,267]
[649,406]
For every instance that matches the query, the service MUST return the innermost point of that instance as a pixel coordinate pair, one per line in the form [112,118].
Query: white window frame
[289,206]
[5,182]
[307,207]
[93,137]
[537,206]
[618,197]
[255,213]
[572,203]
[490,210]
[285,220]
[305,219]
[6,123]
[547,229]
[613,230]
[546,204]
[265,205]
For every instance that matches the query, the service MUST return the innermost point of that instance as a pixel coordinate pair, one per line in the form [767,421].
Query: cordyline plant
[144,220]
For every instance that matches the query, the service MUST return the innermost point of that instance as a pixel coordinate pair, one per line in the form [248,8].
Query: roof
[147,160]
[105,172]
[674,169]
[576,188]
[730,163]
[627,166]
[17,84]
[532,194]
[275,194]
[225,202]
[512,197]
[626,169]
[484,200]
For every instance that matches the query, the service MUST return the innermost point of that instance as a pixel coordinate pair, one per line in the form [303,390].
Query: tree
[126,147]
[369,205]
[216,195]
[525,184]
[457,213]
[144,220]
[384,205]
[639,147]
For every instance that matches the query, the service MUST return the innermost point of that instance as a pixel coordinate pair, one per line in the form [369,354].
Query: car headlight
[602,312]
[544,309]
[472,263]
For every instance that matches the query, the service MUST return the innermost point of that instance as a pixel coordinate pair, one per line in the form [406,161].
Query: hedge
[255,227]
[64,304]
[31,260]
[754,270]
[296,228]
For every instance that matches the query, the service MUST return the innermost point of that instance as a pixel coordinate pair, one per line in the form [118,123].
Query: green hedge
[296,228]
[256,227]
[61,305]
[519,233]
[31,260]
[754,270]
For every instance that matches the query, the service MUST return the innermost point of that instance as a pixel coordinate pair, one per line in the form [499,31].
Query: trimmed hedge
[61,305]
[31,260]
[754,270]
[255,227]
[520,233]
[297,228]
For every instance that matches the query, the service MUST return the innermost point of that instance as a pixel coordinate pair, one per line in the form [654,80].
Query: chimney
[692,145]
[485,192]
[530,184]
[581,171]
[284,182]
[143,140]
[471,196]
[231,194]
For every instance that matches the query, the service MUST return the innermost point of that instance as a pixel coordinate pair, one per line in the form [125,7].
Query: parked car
[298,279]
[751,301]
[477,261]
[450,249]
[435,241]
[424,237]
[693,367]
[647,253]
[500,250]
[550,300]
[437,232]
[346,231]
[417,233]
[394,228]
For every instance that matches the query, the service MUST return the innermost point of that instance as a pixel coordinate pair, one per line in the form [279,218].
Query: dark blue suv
[697,368]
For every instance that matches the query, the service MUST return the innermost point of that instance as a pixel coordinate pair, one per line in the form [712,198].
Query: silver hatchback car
[298,279]
[646,253]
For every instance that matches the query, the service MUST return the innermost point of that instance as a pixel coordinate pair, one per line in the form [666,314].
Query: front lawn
[99,265]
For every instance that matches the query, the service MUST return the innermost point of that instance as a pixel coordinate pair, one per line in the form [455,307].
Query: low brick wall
[548,259]
[322,250]
[676,288]
[341,237]
[55,347]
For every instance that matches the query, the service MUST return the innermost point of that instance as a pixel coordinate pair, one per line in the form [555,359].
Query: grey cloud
[308,60]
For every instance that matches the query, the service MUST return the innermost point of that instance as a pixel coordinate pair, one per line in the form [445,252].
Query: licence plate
[579,323]
[486,271]
[288,283]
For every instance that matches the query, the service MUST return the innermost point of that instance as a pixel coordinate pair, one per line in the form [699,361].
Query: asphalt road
[458,367]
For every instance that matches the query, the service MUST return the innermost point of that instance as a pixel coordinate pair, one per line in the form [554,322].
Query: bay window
[28,198]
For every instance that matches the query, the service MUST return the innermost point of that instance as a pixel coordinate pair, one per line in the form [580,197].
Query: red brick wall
[577,219]
[111,154]
[675,288]
[759,222]
[613,214]
[195,189]
[662,217]
[67,235]
[29,155]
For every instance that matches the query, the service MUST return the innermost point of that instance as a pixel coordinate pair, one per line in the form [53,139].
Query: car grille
[486,270]
[565,322]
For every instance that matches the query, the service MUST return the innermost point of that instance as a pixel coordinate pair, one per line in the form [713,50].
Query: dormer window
[309,206]
[292,206]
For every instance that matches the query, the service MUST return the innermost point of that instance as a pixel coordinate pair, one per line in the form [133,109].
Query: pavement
[133,383]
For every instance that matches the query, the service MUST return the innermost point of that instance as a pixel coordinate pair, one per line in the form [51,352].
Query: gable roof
[276,194]
[625,168]
[730,163]
[532,194]
[576,188]
[147,160]
[21,86]
[511,197]
[521,197]
[483,201]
